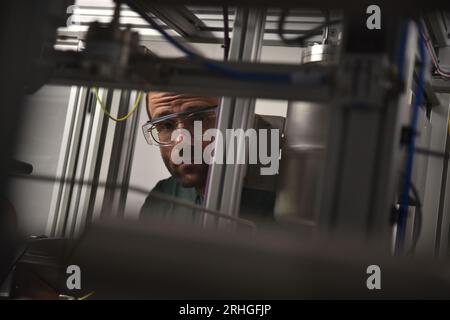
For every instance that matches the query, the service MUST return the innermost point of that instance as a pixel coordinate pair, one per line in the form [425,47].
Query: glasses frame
[149,125]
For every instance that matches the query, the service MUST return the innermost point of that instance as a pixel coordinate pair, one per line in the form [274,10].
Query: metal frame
[91,156]
[437,221]
[440,85]
[414,6]
[442,223]
[86,155]
[443,249]
[209,29]
[179,18]
[362,170]
[58,217]
[436,22]
[71,129]
[371,174]
[120,159]
[225,181]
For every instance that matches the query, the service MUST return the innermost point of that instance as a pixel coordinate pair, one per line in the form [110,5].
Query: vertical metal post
[436,221]
[93,141]
[364,153]
[84,164]
[71,165]
[442,247]
[443,236]
[120,159]
[63,162]
[434,237]
[225,181]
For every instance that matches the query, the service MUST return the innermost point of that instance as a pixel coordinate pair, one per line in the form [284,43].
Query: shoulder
[154,206]
[167,185]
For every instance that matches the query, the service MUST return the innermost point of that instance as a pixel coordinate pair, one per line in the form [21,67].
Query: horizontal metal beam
[310,83]
[202,37]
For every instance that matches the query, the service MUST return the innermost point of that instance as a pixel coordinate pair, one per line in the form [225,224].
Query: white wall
[39,143]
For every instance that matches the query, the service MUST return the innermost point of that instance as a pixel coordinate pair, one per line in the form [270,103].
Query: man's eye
[165,126]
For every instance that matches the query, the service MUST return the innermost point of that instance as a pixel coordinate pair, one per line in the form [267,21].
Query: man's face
[163,103]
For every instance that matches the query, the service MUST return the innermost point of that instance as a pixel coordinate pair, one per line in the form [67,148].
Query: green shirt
[256,205]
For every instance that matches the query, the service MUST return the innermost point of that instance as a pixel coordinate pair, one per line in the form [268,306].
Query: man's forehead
[163,103]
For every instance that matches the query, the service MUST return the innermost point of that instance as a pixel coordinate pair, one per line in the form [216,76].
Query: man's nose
[182,135]
[178,134]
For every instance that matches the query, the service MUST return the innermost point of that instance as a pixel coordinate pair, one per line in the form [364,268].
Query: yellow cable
[135,106]
[86,296]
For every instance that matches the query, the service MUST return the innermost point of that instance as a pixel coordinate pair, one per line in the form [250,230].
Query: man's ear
[147,105]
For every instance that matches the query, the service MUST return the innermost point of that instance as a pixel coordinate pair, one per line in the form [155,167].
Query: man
[168,112]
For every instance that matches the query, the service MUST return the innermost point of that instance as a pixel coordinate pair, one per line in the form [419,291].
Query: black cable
[226,33]
[310,33]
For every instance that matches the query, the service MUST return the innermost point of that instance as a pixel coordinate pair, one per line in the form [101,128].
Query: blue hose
[401,226]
